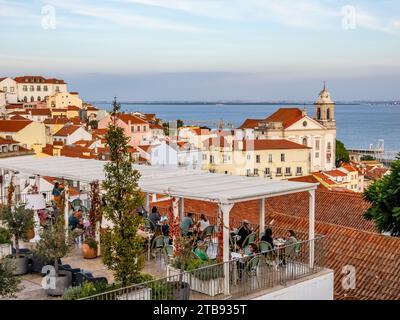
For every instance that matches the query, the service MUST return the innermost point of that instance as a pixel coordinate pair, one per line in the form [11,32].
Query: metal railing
[21,197]
[247,275]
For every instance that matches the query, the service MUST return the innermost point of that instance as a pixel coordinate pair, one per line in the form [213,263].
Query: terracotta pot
[88,252]
[30,234]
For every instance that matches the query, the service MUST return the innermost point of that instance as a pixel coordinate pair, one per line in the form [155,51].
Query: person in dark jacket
[267,237]
[243,232]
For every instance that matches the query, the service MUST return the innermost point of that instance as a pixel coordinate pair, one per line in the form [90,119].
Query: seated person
[202,225]
[75,222]
[289,245]
[141,233]
[186,224]
[241,264]
[200,251]
[165,226]
[243,232]
[141,211]
[57,190]
[267,237]
[154,218]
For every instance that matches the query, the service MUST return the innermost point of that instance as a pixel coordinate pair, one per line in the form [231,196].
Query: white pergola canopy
[177,182]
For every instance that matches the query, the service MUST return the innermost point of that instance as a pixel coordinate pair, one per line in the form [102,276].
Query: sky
[206,49]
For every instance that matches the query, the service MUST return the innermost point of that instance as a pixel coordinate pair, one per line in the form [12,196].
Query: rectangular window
[299,170]
[25,88]
[270,158]
[248,172]
[45,88]
[287,171]
[267,171]
[144,128]
[258,158]
[38,88]
[248,157]
[283,157]
[256,172]
[204,157]
[31,88]
[211,159]
[316,144]
[317,155]
[5,89]
[12,89]
[138,128]
[278,171]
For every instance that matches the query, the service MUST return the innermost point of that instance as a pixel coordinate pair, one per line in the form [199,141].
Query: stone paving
[31,283]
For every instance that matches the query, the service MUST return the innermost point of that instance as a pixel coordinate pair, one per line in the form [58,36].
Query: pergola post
[147,204]
[37,183]
[311,229]
[182,207]
[261,217]
[66,209]
[225,208]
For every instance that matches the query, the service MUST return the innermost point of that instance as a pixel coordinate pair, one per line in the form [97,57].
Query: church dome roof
[324,97]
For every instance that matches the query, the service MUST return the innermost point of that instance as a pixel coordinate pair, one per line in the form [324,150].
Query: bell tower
[324,109]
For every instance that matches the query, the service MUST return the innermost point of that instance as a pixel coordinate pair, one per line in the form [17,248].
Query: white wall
[317,288]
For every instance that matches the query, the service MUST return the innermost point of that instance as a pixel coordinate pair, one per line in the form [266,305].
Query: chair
[252,267]
[148,224]
[267,249]
[158,243]
[207,232]
[247,250]
[82,277]
[168,253]
[250,238]
[167,240]
[76,204]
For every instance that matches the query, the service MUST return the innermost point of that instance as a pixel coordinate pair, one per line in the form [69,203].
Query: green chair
[268,251]
[168,253]
[166,240]
[76,204]
[251,268]
[250,238]
[247,250]
[158,244]
[207,232]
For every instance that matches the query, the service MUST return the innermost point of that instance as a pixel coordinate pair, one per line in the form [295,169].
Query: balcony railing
[21,197]
[247,276]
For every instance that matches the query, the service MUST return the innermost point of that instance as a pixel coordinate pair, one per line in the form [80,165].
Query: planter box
[139,294]
[210,287]
[5,250]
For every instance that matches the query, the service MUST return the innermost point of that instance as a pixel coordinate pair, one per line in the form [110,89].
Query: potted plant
[53,245]
[89,248]
[5,243]
[9,284]
[18,220]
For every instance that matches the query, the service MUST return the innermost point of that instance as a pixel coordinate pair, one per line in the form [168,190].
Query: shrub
[8,282]
[87,289]
[5,236]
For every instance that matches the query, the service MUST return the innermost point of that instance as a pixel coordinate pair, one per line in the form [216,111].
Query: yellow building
[61,100]
[58,112]
[273,159]
[30,134]
[72,112]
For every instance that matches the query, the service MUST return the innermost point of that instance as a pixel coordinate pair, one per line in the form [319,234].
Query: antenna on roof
[324,85]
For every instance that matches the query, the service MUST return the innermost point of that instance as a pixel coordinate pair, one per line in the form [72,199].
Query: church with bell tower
[324,109]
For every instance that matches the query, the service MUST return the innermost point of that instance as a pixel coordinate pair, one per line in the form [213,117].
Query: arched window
[328,113]
[319,113]
[304,141]
[38,98]
[32,99]
[25,99]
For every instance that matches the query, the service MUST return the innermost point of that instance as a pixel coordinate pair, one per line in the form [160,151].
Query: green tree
[384,194]
[93,124]
[18,221]
[179,124]
[367,158]
[122,248]
[9,284]
[342,155]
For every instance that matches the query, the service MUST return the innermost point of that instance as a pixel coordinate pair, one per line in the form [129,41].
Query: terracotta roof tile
[67,130]
[13,125]
[287,116]
[269,144]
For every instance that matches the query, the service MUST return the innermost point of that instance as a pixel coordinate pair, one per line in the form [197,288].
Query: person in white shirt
[202,225]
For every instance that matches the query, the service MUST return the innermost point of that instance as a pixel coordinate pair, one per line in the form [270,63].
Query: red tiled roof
[324,178]
[287,116]
[76,121]
[40,112]
[375,258]
[309,179]
[349,167]
[335,173]
[125,117]
[59,110]
[91,108]
[14,106]
[37,79]
[100,132]
[251,123]
[376,173]
[67,130]
[18,117]
[57,120]
[156,126]
[342,208]
[269,144]
[13,125]
[73,108]
[145,148]
[7,141]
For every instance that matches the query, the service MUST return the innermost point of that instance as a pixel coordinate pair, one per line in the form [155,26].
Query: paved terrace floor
[31,283]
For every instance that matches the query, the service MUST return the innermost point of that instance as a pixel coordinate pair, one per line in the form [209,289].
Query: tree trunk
[56,267]
[16,238]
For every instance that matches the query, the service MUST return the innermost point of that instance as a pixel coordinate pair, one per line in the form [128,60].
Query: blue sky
[206,49]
